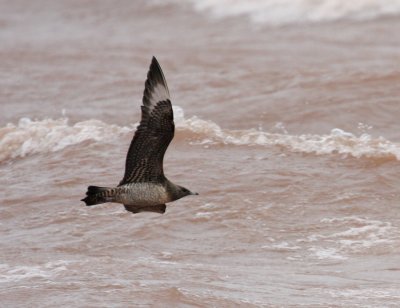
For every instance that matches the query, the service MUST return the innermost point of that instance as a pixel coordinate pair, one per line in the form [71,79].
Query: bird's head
[183,192]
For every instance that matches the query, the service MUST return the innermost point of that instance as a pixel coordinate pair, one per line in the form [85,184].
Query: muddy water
[288,130]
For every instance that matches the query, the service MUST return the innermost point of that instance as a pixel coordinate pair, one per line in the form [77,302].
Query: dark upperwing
[144,161]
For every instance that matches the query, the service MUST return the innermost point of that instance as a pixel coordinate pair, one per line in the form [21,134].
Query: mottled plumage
[144,186]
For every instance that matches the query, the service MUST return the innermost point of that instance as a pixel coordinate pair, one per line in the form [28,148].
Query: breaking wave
[18,273]
[279,12]
[44,136]
[338,141]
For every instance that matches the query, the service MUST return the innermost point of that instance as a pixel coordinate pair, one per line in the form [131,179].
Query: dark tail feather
[98,195]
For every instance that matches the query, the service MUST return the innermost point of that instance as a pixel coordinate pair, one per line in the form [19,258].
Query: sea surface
[287,125]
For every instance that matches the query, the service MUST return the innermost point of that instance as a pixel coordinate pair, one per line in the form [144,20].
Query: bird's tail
[98,195]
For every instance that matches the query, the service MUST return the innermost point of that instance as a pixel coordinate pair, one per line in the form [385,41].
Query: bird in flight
[144,187]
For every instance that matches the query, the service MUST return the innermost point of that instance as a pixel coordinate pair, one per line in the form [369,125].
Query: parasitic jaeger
[144,187]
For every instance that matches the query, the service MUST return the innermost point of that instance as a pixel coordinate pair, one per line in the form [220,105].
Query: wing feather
[144,161]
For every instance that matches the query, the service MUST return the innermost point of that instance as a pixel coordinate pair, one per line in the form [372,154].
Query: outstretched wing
[144,162]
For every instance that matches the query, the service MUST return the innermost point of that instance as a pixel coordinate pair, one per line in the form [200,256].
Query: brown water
[289,133]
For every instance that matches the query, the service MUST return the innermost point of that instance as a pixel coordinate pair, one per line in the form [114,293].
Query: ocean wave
[358,234]
[336,142]
[17,273]
[44,136]
[280,12]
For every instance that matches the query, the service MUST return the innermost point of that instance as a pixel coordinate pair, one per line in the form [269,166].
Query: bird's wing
[144,162]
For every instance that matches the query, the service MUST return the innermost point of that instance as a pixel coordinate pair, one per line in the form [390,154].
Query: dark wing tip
[156,76]
[154,59]
[154,62]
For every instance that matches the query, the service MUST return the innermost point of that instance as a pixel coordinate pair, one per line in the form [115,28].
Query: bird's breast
[143,194]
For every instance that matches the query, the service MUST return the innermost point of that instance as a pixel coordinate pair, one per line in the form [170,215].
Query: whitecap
[48,135]
[15,273]
[43,136]
[283,12]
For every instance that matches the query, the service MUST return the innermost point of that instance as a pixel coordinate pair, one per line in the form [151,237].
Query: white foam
[17,273]
[278,12]
[42,136]
[358,235]
[327,253]
[282,246]
[48,135]
[337,141]
[362,233]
